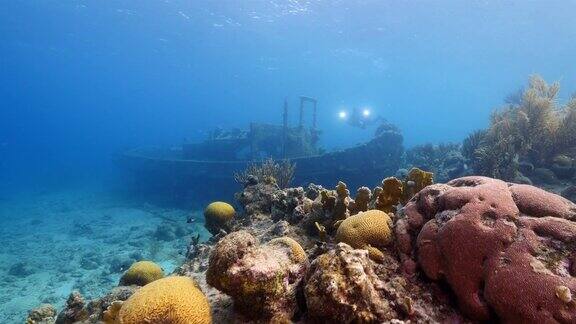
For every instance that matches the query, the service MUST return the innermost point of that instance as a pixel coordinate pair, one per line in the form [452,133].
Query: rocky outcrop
[261,279]
[341,287]
[344,285]
[43,314]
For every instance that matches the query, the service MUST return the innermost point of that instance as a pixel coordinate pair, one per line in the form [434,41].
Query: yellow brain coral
[367,230]
[171,300]
[141,273]
[217,215]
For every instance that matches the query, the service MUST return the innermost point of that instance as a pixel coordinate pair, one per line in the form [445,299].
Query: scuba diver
[361,119]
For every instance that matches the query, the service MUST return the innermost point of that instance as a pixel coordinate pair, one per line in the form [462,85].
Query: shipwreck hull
[163,175]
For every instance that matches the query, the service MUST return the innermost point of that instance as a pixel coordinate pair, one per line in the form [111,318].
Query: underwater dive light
[366,112]
[342,115]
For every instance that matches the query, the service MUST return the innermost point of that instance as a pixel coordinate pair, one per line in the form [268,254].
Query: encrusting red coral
[506,250]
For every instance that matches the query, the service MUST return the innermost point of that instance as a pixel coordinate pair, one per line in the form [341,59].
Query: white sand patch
[53,243]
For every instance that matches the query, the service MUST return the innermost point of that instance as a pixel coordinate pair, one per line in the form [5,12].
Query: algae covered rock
[258,198]
[507,251]
[341,287]
[141,273]
[261,279]
[169,300]
[74,311]
[43,314]
[98,307]
[368,230]
[217,216]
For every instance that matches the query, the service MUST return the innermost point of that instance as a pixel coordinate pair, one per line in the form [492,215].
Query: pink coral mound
[507,251]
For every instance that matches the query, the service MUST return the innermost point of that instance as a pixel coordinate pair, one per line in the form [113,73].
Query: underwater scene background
[103,104]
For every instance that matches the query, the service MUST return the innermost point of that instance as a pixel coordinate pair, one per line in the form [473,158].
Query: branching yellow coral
[415,181]
[141,273]
[343,199]
[368,230]
[328,199]
[390,195]
[172,300]
[217,216]
[361,201]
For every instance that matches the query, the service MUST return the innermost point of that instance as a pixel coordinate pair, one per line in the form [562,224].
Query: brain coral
[217,215]
[297,252]
[368,230]
[171,300]
[141,273]
[261,279]
[507,251]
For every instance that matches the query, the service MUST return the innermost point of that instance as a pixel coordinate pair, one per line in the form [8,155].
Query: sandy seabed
[53,243]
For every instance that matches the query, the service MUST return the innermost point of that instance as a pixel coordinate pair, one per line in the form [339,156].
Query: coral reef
[486,238]
[474,249]
[446,160]
[535,129]
[268,171]
[361,201]
[389,195]
[44,314]
[98,307]
[257,198]
[141,273]
[336,294]
[289,204]
[415,181]
[217,216]
[262,279]
[395,191]
[344,285]
[368,230]
[169,300]
[74,310]
[471,143]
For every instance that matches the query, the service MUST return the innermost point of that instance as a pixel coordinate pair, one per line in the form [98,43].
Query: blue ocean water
[83,80]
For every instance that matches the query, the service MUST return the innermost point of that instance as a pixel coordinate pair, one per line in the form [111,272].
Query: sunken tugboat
[205,170]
